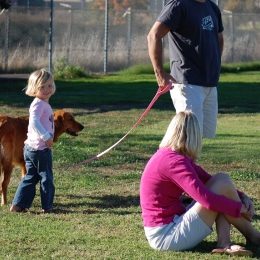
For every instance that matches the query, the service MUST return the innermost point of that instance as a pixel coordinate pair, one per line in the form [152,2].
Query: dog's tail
[3,121]
[1,156]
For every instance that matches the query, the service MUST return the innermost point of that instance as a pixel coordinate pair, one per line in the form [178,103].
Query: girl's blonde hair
[183,135]
[36,80]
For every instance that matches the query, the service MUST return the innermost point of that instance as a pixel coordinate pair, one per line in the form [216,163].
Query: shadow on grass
[102,96]
[115,201]
[106,202]
[207,247]
[204,247]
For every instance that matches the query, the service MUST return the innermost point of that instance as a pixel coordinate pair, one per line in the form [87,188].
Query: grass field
[96,212]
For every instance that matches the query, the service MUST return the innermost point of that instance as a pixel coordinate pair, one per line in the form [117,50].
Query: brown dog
[13,133]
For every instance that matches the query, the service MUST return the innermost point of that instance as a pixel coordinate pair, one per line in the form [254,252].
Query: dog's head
[5,4]
[65,123]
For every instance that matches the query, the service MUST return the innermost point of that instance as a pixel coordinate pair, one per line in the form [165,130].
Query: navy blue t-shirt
[193,41]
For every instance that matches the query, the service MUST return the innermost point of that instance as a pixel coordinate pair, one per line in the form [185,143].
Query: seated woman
[172,171]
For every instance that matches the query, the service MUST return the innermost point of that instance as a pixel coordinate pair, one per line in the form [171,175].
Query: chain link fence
[79,35]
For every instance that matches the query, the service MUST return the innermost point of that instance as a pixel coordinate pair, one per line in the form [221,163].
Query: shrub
[63,70]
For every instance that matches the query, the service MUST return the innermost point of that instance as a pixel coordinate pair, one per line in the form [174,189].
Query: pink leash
[158,94]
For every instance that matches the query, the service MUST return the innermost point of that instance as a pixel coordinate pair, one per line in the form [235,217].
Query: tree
[242,6]
[120,4]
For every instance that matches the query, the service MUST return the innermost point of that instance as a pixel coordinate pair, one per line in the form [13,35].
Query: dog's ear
[58,123]
[59,118]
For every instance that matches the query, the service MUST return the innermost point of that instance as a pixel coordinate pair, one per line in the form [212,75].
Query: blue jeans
[38,165]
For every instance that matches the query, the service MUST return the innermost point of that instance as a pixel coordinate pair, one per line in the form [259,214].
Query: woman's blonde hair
[36,80]
[183,135]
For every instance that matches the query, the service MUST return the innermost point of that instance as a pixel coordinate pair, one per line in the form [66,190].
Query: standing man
[194,29]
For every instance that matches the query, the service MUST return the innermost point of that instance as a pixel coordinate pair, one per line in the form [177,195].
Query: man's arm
[155,48]
[221,42]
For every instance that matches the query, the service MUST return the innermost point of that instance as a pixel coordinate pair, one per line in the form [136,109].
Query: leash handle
[164,90]
[158,94]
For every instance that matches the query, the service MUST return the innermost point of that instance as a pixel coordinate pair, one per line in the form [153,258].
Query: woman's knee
[218,178]
[222,176]
[221,184]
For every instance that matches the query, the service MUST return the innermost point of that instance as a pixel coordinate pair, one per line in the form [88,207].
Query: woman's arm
[192,182]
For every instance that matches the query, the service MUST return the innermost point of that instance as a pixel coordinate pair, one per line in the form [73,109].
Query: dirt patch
[13,77]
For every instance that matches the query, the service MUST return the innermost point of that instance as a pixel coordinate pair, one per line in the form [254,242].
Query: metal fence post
[50,36]
[7,32]
[129,36]
[69,35]
[69,30]
[106,37]
[231,21]
[232,35]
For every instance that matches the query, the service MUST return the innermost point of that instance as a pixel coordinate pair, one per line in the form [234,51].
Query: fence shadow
[92,97]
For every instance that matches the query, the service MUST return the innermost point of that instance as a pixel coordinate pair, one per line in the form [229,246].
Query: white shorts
[202,101]
[184,233]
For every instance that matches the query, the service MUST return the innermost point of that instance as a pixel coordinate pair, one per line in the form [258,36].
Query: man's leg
[189,97]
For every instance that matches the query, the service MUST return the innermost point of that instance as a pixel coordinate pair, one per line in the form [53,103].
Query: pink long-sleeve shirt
[166,176]
[41,124]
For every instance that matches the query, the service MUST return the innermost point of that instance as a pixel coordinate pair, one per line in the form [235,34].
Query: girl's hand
[49,143]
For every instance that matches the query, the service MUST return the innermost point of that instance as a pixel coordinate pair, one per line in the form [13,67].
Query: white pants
[202,101]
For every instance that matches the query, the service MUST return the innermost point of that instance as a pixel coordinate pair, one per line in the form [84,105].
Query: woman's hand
[248,209]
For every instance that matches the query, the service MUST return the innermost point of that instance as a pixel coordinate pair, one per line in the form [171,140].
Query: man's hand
[164,79]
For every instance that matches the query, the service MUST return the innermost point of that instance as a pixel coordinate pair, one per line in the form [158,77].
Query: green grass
[97,213]
[225,68]
[238,67]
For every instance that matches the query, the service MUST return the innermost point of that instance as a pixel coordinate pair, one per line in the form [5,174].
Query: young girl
[171,171]
[37,150]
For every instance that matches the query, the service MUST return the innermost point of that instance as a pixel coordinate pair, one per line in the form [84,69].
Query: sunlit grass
[96,212]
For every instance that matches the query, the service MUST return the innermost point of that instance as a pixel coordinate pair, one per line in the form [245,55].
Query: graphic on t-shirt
[207,23]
